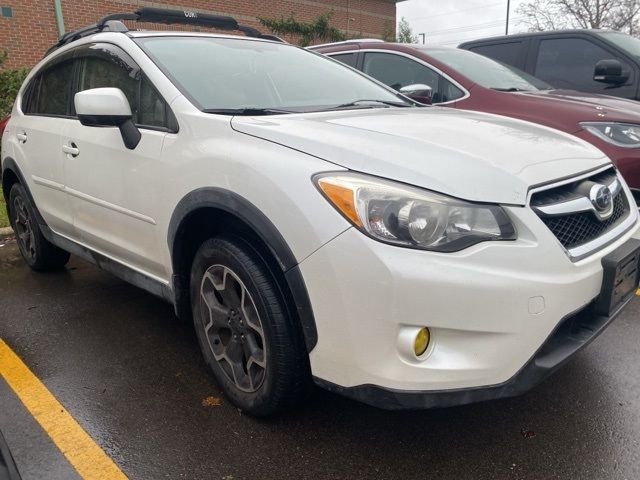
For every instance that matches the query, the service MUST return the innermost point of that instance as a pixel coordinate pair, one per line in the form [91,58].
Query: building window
[7,11]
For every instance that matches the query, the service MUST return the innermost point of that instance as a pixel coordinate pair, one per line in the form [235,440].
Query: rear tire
[40,254]
[249,339]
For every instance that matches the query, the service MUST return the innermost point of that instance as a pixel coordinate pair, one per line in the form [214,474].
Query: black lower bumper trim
[572,334]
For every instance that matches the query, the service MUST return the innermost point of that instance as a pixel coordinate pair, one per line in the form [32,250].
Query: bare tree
[627,17]
[620,15]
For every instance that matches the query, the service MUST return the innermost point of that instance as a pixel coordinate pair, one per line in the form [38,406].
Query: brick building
[29,27]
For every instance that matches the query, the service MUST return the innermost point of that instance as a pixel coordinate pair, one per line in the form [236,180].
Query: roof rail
[352,40]
[113,23]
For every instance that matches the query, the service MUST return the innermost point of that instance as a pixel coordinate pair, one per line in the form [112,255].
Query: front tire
[248,338]
[40,254]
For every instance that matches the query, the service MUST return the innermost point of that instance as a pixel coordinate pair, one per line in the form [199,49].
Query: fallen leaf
[527,433]
[211,402]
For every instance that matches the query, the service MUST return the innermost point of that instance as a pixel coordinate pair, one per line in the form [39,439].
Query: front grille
[580,228]
[574,229]
[569,191]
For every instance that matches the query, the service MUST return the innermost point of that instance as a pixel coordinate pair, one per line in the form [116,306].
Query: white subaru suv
[314,224]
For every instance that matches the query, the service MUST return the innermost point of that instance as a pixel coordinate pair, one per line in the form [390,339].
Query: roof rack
[113,23]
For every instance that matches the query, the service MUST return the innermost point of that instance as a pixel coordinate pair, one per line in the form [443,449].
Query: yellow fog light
[421,341]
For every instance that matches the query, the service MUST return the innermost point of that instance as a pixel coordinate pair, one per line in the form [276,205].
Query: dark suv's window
[570,63]
[105,65]
[398,71]
[509,53]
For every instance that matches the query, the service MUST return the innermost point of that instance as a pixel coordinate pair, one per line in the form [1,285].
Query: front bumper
[494,310]
[572,334]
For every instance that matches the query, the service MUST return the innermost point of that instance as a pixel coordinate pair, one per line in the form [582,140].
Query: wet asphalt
[132,376]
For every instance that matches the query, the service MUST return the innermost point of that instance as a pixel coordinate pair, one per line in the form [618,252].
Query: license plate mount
[620,277]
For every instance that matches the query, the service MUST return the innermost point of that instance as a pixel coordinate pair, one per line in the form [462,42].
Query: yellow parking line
[81,451]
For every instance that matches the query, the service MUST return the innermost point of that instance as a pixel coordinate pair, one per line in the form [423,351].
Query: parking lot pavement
[132,377]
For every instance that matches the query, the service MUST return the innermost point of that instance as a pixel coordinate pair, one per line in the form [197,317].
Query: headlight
[402,215]
[620,134]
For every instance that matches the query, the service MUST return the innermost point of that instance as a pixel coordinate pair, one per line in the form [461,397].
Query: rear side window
[49,93]
[570,63]
[510,53]
[347,58]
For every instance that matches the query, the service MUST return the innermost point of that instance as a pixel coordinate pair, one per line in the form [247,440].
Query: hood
[572,107]
[469,155]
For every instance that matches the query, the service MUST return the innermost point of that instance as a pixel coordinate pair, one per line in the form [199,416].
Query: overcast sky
[449,22]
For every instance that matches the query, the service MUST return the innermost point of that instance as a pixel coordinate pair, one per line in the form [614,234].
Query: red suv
[462,79]
[3,123]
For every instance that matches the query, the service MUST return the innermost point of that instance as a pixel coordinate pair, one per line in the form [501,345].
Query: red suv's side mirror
[418,92]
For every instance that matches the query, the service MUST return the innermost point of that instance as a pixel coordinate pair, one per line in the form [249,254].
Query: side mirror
[419,92]
[107,107]
[610,71]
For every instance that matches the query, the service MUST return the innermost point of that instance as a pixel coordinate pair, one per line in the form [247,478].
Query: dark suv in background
[596,61]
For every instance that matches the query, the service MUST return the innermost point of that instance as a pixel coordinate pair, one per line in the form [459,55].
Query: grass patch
[4,220]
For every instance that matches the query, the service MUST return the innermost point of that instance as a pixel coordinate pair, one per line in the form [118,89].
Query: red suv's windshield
[487,72]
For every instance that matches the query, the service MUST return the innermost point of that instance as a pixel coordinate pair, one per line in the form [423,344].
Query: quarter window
[153,109]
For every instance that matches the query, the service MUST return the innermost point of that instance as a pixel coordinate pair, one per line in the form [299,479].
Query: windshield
[487,72]
[626,42]
[228,75]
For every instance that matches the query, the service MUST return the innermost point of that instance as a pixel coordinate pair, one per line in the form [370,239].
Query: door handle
[71,149]
[22,137]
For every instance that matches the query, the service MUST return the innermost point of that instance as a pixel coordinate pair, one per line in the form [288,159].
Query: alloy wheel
[233,328]
[24,229]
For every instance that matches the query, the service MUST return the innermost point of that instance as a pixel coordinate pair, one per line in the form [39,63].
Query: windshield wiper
[366,103]
[511,89]
[247,111]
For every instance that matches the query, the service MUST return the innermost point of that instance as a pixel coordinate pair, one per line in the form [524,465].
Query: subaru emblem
[601,198]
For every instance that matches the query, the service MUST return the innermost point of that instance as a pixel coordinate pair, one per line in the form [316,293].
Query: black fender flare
[10,165]
[242,209]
